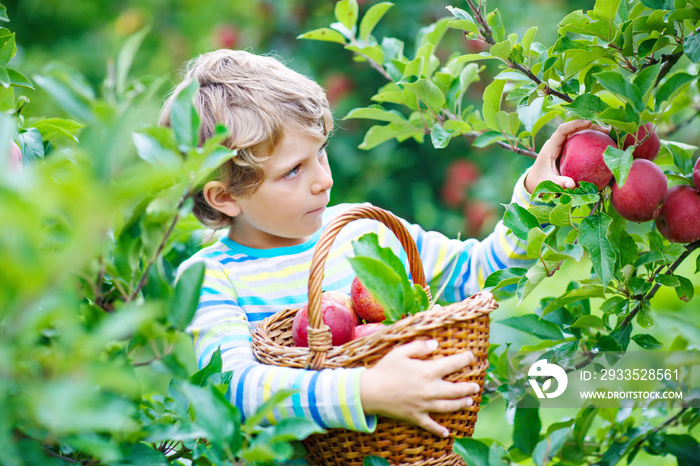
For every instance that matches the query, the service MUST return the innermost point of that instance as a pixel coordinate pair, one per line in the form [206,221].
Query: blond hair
[257,98]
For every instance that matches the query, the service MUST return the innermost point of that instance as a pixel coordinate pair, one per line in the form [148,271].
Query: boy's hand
[545,166]
[403,387]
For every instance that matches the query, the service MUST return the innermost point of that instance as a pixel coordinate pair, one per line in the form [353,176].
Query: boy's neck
[263,241]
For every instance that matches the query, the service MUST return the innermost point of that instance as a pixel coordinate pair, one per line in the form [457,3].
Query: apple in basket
[365,304]
[338,317]
[342,299]
[363,330]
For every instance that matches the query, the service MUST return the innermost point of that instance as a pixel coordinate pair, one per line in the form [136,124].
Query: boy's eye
[292,173]
[322,150]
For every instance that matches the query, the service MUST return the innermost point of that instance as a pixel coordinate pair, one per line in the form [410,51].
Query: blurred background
[456,190]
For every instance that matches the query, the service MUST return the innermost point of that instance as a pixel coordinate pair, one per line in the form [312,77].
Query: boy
[273,197]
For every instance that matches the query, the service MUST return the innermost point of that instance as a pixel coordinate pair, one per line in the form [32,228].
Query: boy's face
[286,209]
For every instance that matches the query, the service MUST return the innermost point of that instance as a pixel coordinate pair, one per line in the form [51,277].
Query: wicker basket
[457,327]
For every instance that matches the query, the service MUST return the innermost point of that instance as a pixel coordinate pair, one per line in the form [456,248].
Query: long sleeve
[330,397]
[461,267]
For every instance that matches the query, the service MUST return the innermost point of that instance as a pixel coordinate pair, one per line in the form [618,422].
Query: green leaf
[428,93]
[592,236]
[493,19]
[32,145]
[52,127]
[3,13]
[149,149]
[371,460]
[532,324]
[214,366]
[587,106]
[528,37]
[439,136]
[378,134]
[346,12]
[527,424]
[488,138]
[501,49]
[186,296]
[519,220]
[691,47]
[492,103]
[672,85]
[605,10]
[535,238]
[324,34]
[143,455]
[184,118]
[618,84]
[588,321]
[646,80]
[682,446]
[126,58]
[8,49]
[70,100]
[17,79]
[658,4]
[383,283]
[503,277]
[372,17]
[376,112]
[532,278]
[473,451]
[686,289]
[646,341]
[550,446]
[619,162]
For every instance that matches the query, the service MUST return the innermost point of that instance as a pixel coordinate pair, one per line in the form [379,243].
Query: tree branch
[161,246]
[671,420]
[688,250]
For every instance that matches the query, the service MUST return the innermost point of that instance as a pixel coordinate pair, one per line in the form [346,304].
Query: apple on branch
[640,197]
[650,146]
[582,158]
[679,219]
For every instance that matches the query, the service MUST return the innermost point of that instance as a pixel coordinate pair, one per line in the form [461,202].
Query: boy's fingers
[450,364]
[604,129]
[427,423]
[415,349]
[449,406]
[564,181]
[457,390]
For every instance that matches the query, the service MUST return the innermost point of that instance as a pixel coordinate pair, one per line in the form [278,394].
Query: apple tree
[631,66]
[95,367]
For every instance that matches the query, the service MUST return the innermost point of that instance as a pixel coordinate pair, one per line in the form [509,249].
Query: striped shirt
[243,285]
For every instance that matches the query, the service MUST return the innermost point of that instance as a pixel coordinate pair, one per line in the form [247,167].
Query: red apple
[342,299]
[649,149]
[337,317]
[679,219]
[226,36]
[582,157]
[363,330]
[365,305]
[15,157]
[696,174]
[460,175]
[641,196]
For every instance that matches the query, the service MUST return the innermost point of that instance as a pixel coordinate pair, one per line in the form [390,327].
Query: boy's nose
[323,181]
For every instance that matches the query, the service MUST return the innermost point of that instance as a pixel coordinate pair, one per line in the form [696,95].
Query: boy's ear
[217,196]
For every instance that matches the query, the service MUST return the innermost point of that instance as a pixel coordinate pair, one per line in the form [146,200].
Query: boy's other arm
[545,166]
[330,397]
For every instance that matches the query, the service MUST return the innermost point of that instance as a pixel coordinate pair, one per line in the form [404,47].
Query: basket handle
[319,333]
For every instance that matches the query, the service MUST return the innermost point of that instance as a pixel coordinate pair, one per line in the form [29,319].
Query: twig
[161,246]
[688,250]
[669,421]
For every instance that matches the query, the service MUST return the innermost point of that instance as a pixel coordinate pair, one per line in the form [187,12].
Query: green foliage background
[94,367]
